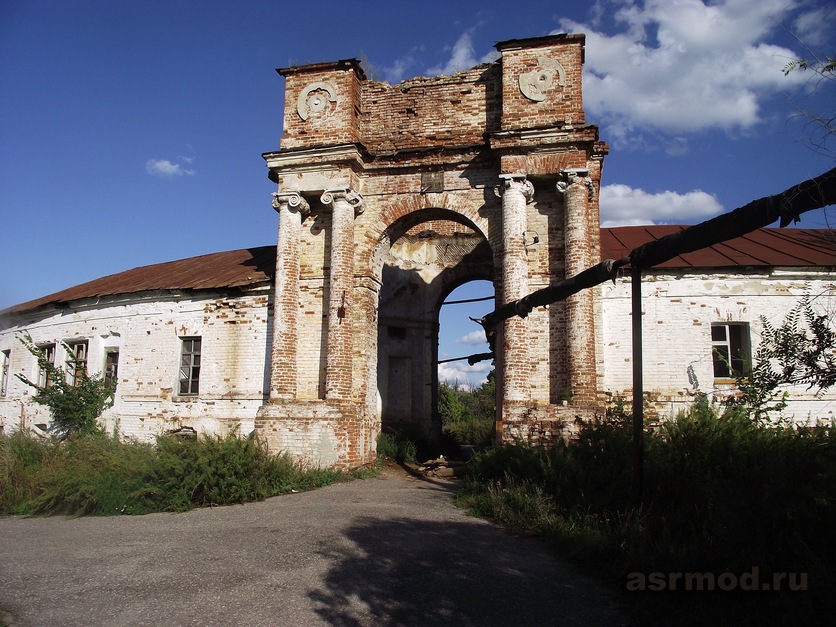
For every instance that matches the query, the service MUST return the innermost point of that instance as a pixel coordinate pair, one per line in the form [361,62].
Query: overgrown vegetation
[723,494]
[93,474]
[799,351]
[74,398]
[397,447]
[468,413]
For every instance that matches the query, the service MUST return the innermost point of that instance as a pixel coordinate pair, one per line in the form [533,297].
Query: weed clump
[95,475]
[723,494]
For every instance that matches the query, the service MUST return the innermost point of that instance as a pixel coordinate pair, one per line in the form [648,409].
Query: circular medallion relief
[536,84]
[315,100]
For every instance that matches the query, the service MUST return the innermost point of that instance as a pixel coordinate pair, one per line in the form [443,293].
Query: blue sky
[131,132]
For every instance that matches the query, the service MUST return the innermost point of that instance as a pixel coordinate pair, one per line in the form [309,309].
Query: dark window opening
[731,349]
[190,366]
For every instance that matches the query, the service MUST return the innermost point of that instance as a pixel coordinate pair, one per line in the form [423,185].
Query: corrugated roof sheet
[234,268]
[239,268]
[763,247]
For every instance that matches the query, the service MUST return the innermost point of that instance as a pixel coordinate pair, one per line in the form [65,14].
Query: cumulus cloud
[622,205]
[685,66]
[474,337]
[460,372]
[168,169]
[462,57]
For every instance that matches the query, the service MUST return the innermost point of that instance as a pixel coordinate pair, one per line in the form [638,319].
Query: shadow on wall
[413,572]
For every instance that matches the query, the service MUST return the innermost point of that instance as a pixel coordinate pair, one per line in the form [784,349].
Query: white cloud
[394,73]
[815,27]
[684,66]
[462,57]
[460,372]
[474,337]
[167,169]
[622,205]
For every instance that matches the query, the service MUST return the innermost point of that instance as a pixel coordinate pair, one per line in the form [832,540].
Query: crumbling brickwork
[409,190]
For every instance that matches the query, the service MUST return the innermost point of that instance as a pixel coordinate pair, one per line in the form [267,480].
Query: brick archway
[421,257]
[389,194]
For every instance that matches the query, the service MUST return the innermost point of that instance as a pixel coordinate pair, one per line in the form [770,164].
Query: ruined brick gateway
[389,197]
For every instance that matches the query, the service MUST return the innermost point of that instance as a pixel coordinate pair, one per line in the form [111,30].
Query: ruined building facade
[388,198]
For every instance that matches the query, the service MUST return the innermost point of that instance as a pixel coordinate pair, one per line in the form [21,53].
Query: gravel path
[392,550]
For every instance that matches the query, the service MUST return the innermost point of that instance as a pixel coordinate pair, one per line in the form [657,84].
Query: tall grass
[98,475]
[722,494]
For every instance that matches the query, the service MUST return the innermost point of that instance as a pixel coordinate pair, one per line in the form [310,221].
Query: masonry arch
[421,257]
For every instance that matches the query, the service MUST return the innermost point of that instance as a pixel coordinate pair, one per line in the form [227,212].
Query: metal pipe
[638,392]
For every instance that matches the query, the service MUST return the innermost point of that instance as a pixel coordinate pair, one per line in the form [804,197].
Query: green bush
[92,474]
[75,399]
[723,493]
[397,447]
[468,415]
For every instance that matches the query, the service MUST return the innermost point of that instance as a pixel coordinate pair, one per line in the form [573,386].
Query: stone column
[345,204]
[517,192]
[291,207]
[577,189]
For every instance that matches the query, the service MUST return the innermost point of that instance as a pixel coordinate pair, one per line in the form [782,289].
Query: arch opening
[423,257]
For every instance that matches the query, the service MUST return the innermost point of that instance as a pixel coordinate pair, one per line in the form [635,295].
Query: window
[76,362]
[5,356]
[189,366]
[49,354]
[111,369]
[731,349]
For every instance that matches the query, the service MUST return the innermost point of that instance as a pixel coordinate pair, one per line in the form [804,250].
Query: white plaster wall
[678,311]
[146,329]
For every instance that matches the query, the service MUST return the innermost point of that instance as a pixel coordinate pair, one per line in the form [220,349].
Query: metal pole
[638,392]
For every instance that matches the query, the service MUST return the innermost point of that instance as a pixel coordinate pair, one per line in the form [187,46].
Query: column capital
[518,182]
[572,176]
[293,200]
[330,196]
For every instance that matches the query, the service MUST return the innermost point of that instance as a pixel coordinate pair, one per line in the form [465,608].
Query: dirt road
[392,550]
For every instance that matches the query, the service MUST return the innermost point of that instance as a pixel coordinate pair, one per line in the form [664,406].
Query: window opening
[730,348]
[4,375]
[111,369]
[77,362]
[190,366]
[44,380]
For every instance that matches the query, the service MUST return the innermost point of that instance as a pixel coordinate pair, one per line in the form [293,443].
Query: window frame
[4,372]
[77,361]
[110,370]
[732,354]
[188,372]
[49,350]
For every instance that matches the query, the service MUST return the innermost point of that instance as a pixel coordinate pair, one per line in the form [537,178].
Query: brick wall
[146,330]
[678,310]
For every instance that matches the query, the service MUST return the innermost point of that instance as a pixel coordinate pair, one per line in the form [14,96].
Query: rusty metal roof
[250,266]
[234,268]
[787,247]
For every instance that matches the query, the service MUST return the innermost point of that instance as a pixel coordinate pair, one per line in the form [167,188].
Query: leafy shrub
[75,401]
[723,493]
[397,447]
[468,415]
[92,474]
